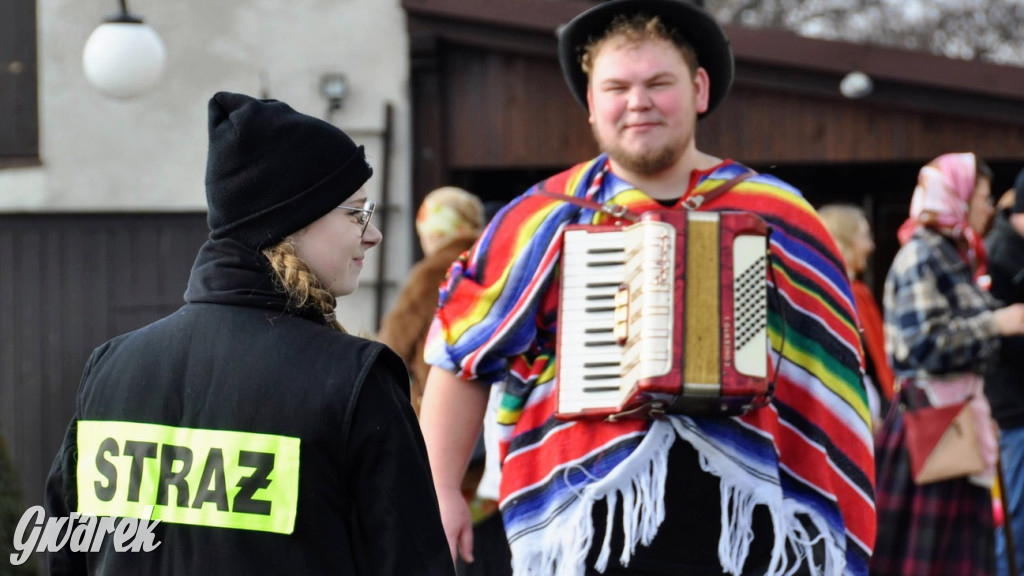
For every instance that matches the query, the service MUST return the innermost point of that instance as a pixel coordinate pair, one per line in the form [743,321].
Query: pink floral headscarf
[944,187]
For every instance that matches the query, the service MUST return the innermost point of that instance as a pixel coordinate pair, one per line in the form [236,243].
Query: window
[19,108]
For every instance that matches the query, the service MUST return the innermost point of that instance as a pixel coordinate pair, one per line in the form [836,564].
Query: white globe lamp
[856,85]
[123,57]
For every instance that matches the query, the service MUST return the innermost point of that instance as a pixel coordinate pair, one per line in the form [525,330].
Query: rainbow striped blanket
[809,453]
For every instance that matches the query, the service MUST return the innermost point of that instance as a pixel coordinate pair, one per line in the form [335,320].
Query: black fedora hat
[694,23]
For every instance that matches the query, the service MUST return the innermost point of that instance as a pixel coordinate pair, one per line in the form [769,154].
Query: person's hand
[1006,200]
[458,524]
[1010,320]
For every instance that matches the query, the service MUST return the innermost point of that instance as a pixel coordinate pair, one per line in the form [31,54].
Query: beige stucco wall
[149,153]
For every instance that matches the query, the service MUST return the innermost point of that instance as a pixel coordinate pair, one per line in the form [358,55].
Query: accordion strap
[623,213]
[613,210]
[695,202]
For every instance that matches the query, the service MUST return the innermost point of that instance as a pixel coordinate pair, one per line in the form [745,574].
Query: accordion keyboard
[593,269]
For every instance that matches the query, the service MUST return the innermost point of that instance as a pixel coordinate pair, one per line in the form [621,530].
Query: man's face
[644,103]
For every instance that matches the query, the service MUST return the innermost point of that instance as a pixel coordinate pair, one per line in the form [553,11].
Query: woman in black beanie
[262,437]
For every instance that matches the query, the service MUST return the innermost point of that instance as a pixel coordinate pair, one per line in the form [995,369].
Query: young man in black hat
[784,488]
[247,432]
[1003,383]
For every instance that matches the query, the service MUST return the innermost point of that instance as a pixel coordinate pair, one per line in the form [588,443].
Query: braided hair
[295,278]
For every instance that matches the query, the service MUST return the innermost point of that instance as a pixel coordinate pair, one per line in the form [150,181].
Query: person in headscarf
[1003,383]
[942,330]
[448,221]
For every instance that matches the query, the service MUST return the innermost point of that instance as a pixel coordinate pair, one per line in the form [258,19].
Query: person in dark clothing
[261,436]
[1004,383]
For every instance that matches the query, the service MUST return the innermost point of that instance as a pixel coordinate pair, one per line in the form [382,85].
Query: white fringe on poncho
[561,548]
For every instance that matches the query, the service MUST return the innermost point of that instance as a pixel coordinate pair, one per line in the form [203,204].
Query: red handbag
[942,442]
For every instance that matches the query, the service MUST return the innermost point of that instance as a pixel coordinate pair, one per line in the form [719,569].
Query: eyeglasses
[362,215]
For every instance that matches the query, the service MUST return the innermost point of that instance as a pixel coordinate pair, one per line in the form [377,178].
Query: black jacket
[232,368]
[1004,383]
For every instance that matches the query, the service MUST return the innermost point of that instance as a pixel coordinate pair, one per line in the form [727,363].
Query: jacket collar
[228,272]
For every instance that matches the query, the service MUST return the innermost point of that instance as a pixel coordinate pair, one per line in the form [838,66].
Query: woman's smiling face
[334,245]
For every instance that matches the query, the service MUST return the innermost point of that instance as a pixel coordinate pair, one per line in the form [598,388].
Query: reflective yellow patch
[215,478]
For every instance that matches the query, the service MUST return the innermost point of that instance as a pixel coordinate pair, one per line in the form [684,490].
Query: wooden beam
[528,15]
[786,50]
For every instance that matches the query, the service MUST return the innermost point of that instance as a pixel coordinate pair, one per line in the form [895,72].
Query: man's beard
[648,163]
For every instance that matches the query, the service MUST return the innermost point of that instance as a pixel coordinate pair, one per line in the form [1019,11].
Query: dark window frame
[19,85]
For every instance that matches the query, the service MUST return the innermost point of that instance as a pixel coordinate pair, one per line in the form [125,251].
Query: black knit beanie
[270,170]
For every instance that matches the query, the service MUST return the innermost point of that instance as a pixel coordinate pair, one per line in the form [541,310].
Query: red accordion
[665,315]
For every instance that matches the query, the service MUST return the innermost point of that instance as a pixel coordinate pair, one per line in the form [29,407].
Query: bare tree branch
[966,29]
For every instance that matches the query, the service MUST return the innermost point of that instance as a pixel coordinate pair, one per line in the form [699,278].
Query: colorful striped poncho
[809,453]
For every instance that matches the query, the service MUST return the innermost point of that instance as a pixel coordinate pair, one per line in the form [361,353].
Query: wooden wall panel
[759,126]
[430,149]
[505,110]
[511,111]
[67,284]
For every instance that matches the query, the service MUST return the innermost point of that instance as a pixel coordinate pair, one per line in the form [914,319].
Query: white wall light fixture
[334,88]
[123,57]
[856,84]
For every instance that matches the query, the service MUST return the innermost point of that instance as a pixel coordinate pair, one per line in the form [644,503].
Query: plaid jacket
[937,320]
